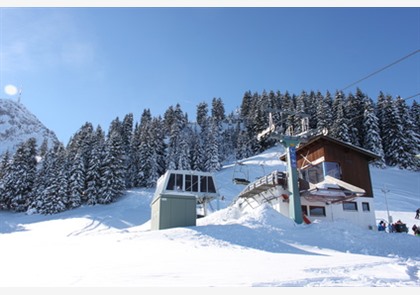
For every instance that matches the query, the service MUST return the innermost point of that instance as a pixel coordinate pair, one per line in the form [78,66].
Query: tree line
[96,167]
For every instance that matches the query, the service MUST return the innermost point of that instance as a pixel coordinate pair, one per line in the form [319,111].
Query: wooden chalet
[323,155]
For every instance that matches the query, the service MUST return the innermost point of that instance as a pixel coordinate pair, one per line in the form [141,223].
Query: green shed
[173,211]
[178,197]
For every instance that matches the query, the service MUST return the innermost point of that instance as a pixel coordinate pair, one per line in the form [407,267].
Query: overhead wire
[382,69]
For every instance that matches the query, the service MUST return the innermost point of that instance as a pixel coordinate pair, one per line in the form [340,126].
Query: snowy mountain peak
[18,124]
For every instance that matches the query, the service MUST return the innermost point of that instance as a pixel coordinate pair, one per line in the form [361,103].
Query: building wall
[354,166]
[170,211]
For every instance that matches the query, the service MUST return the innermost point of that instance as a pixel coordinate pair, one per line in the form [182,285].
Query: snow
[113,246]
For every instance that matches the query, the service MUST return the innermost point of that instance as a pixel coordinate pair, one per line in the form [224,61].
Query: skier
[417,213]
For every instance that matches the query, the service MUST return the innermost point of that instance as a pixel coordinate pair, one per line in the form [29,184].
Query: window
[191,183]
[349,206]
[316,173]
[332,169]
[175,182]
[316,211]
[365,207]
[313,174]
[207,184]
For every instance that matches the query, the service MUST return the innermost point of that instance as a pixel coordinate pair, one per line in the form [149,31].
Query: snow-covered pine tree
[184,149]
[112,169]
[415,115]
[178,124]
[311,109]
[407,159]
[43,149]
[127,134]
[339,128]
[157,159]
[202,113]
[93,169]
[287,112]
[196,150]
[77,177]
[218,109]
[4,170]
[392,131]
[354,108]
[49,200]
[212,163]
[20,180]
[245,108]
[322,111]
[372,140]
[300,110]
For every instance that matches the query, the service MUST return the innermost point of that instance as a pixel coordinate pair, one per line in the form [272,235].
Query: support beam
[295,208]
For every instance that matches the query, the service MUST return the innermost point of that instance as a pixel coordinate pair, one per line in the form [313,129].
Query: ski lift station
[180,197]
[333,182]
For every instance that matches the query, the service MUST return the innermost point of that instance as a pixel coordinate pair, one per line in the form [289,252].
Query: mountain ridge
[18,124]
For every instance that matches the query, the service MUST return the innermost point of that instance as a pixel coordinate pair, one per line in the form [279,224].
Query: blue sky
[79,64]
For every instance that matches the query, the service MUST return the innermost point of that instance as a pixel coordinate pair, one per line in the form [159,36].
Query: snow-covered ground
[113,246]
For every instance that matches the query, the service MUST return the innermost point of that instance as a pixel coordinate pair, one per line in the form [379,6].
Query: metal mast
[290,142]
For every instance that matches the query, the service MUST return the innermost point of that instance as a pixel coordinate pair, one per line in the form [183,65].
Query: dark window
[195,183]
[317,211]
[211,187]
[349,206]
[188,183]
[203,184]
[179,184]
[365,206]
[171,182]
[191,183]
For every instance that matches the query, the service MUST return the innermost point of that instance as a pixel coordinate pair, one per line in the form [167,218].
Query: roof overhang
[368,154]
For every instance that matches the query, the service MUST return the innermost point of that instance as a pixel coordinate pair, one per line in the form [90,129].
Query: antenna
[20,94]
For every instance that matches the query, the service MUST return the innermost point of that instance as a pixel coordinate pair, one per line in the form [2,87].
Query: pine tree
[339,128]
[218,110]
[322,111]
[112,169]
[4,171]
[93,169]
[49,200]
[202,114]
[300,112]
[19,182]
[407,158]
[371,133]
[415,115]
[354,108]
[77,177]
[212,163]
[127,134]
[392,132]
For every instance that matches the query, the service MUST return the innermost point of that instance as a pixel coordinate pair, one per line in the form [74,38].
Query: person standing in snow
[416,230]
[381,226]
[417,213]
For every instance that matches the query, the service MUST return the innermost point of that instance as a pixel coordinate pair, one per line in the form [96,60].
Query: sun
[10,89]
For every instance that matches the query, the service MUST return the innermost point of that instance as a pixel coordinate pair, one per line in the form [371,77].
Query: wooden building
[323,155]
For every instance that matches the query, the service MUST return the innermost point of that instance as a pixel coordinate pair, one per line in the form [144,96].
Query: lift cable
[383,68]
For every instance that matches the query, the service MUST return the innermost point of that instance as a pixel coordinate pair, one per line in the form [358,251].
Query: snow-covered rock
[18,124]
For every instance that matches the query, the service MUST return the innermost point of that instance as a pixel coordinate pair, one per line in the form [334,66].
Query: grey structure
[178,195]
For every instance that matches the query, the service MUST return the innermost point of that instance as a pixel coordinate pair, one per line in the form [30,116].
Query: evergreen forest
[97,166]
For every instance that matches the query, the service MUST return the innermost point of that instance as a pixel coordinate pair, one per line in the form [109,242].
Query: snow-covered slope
[18,124]
[112,245]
